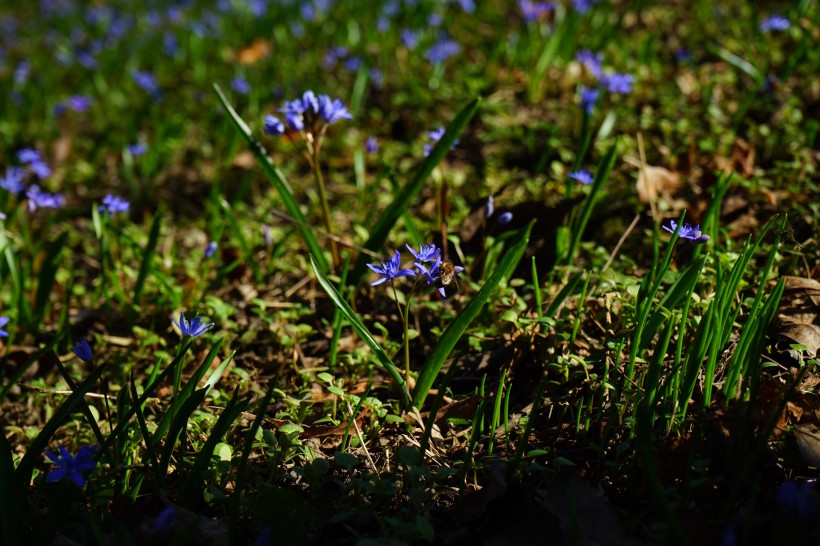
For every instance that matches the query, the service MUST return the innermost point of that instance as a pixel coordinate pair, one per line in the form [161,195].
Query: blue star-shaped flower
[390,269]
[72,466]
[426,253]
[83,351]
[193,328]
[687,232]
[3,322]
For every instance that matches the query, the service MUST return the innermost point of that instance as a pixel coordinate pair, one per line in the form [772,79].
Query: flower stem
[404,316]
[317,172]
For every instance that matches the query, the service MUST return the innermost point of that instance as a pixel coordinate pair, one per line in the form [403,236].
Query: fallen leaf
[257,51]
[808,442]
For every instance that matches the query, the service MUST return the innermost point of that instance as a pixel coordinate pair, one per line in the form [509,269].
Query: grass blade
[275,176]
[362,330]
[457,327]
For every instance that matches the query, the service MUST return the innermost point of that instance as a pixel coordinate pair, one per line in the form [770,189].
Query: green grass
[584,348]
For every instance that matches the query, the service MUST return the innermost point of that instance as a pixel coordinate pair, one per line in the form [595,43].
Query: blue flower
[390,269]
[489,207]
[165,519]
[27,156]
[13,181]
[83,351]
[435,136]
[533,11]
[3,321]
[619,83]
[584,176]
[72,466]
[311,112]
[112,205]
[409,39]
[797,497]
[426,253]
[240,85]
[194,328]
[505,218]
[274,126]
[371,145]
[210,250]
[583,6]
[588,99]
[146,82]
[775,22]
[434,274]
[38,198]
[687,232]
[442,50]
[332,110]
[592,62]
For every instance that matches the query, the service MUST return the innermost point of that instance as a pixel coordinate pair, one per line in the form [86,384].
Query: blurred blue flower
[505,218]
[583,6]
[584,176]
[274,126]
[390,269]
[426,253]
[83,351]
[775,23]
[352,64]
[383,24]
[137,149]
[3,321]
[332,110]
[533,11]
[467,5]
[38,198]
[27,156]
[240,85]
[489,207]
[687,232]
[371,145]
[72,466]
[75,103]
[409,38]
[435,135]
[112,205]
[618,83]
[588,99]
[147,82]
[194,328]
[592,62]
[376,77]
[13,181]
[682,54]
[170,44]
[797,497]
[210,250]
[442,50]
[165,519]
[21,72]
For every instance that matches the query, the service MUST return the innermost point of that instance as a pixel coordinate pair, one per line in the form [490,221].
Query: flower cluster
[309,113]
[687,232]
[440,273]
[615,82]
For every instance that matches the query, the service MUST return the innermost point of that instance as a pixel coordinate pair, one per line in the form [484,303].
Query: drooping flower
[687,232]
[210,250]
[775,23]
[426,253]
[592,62]
[274,126]
[83,351]
[435,135]
[194,328]
[390,269]
[13,181]
[584,176]
[112,205]
[588,99]
[71,466]
[3,321]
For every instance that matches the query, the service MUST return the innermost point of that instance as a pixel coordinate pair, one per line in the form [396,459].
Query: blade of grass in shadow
[191,491]
[275,176]
[10,517]
[45,279]
[178,425]
[362,330]
[147,258]
[380,232]
[457,327]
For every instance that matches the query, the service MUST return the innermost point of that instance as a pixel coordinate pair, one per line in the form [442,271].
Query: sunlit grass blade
[459,325]
[361,329]
[401,201]
[275,176]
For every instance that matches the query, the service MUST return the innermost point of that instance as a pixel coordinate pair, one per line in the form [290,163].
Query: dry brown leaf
[257,51]
[654,182]
[808,442]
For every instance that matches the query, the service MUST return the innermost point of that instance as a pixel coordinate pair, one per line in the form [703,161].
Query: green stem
[317,172]
[404,316]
